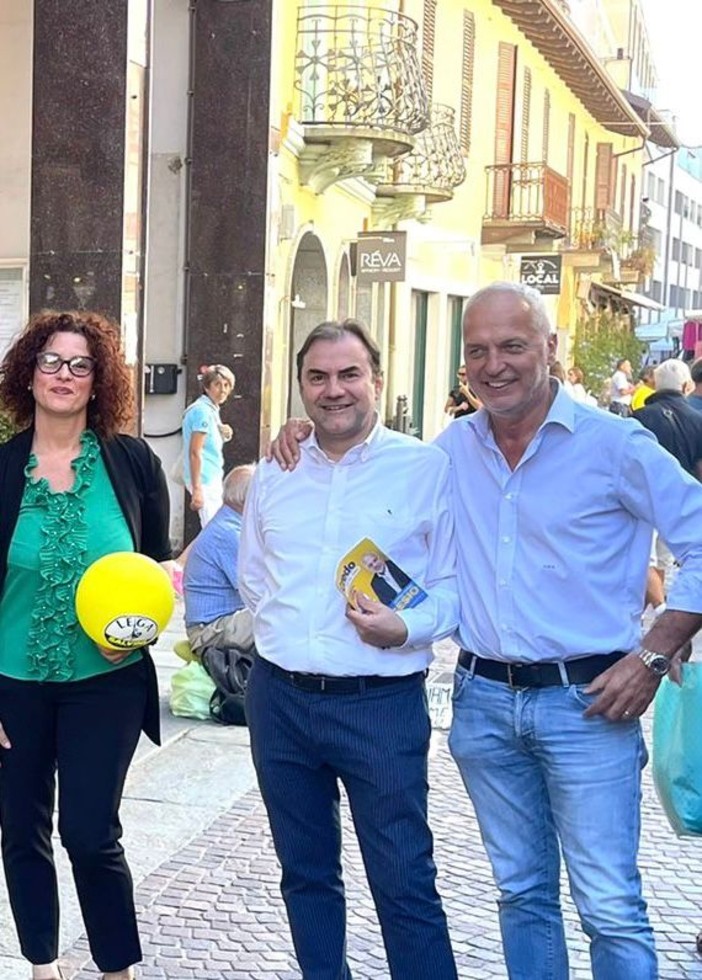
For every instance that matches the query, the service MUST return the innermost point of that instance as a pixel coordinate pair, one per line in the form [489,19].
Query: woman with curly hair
[73,488]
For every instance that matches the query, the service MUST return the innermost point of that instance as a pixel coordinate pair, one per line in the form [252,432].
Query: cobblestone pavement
[213,911]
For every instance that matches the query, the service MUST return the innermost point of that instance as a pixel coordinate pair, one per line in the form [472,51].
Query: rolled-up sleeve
[657,489]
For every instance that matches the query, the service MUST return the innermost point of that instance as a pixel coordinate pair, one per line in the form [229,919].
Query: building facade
[223,176]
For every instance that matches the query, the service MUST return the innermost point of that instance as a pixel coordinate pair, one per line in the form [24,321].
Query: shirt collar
[360,452]
[561,412]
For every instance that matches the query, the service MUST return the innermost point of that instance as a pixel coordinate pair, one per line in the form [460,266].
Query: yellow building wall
[445,257]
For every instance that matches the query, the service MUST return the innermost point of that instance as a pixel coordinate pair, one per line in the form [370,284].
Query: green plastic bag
[677,750]
[191,690]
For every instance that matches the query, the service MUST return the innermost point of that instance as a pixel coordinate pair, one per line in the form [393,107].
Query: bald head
[236,486]
[530,300]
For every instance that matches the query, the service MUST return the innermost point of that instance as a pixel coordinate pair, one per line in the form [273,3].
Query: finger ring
[627,714]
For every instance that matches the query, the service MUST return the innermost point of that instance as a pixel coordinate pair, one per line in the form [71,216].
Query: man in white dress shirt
[337,693]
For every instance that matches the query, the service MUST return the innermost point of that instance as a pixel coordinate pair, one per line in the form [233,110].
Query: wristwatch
[657,663]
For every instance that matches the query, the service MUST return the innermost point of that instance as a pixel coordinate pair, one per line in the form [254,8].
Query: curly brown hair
[112,408]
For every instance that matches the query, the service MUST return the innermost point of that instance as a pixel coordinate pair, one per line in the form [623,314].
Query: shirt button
[503,582]
[508,496]
[506,539]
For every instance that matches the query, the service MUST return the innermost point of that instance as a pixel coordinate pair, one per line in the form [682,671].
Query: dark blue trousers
[375,743]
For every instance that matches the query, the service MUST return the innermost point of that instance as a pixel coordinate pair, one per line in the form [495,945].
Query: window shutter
[604,167]
[467,79]
[547,126]
[526,115]
[622,193]
[428,41]
[586,160]
[570,164]
[504,126]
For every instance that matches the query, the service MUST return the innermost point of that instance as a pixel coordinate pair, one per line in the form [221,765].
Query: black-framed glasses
[50,363]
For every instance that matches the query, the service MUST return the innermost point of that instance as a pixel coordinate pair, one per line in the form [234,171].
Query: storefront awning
[634,299]
[649,332]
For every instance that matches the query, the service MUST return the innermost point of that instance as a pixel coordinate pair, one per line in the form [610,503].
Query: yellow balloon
[124,600]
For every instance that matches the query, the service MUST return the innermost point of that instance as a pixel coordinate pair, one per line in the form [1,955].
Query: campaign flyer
[367,569]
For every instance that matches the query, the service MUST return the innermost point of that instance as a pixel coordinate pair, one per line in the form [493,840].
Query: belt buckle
[510,677]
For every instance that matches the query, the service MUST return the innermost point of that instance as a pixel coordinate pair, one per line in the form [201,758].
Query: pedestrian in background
[694,399]
[644,387]
[621,388]
[204,434]
[73,489]
[461,400]
[337,694]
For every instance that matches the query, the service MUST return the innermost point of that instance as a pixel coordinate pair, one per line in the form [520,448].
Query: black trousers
[85,732]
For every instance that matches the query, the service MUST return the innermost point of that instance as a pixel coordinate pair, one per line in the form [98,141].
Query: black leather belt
[323,684]
[580,671]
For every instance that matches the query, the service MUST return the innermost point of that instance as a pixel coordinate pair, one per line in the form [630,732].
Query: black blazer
[140,487]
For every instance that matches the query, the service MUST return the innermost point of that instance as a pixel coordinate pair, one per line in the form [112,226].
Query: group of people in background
[532,551]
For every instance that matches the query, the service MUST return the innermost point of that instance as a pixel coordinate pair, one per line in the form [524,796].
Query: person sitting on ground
[214,610]
[644,387]
[694,399]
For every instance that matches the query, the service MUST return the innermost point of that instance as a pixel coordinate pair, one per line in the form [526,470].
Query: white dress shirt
[297,527]
[553,556]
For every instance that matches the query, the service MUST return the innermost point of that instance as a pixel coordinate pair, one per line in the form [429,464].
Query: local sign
[381,256]
[542,272]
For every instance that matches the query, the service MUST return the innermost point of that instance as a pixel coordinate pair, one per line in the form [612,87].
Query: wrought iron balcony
[525,202]
[359,90]
[426,175]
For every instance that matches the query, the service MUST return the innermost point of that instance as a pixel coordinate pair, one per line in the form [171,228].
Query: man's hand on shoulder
[285,448]
[624,691]
[376,624]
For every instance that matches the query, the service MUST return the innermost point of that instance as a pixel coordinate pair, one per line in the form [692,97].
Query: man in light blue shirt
[214,610]
[556,515]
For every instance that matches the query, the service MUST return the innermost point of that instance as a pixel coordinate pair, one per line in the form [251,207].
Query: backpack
[229,669]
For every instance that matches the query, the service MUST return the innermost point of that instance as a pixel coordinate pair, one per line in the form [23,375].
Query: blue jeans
[538,772]
[375,743]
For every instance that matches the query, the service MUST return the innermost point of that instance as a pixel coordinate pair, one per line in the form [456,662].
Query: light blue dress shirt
[211,578]
[552,557]
[203,416]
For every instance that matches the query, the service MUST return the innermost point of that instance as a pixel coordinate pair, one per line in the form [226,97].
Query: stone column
[231,63]
[87,152]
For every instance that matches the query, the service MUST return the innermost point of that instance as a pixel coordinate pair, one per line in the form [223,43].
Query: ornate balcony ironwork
[426,175]
[525,202]
[359,89]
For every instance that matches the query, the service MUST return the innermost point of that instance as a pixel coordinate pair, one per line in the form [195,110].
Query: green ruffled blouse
[57,536]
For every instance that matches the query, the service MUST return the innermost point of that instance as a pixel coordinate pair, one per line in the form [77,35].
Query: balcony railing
[359,68]
[435,165]
[529,196]
[594,229]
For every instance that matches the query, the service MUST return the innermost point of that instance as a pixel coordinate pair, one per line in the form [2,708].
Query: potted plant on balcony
[642,260]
